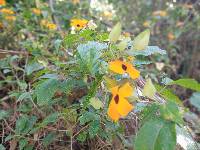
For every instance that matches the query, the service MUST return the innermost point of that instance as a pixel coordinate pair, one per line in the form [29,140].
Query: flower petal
[126,90]
[116,66]
[133,73]
[124,107]
[112,111]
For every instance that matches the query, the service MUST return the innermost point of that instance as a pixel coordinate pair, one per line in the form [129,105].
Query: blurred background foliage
[174,25]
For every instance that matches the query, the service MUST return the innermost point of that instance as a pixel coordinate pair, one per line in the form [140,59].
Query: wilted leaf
[96,103]
[110,83]
[142,40]
[122,45]
[149,89]
[115,33]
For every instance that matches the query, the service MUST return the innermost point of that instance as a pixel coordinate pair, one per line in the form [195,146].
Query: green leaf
[150,50]
[22,143]
[70,39]
[168,94]
[170,111]
[32,67]
[195,100]
[156,134]
[149,89]
[24,124]
[82,136]
[49,138]
[89,56]
[46,90]
[4,114]
[96,103]
[87,117]
[26,95]
[2,147]
[115,33]
[149,112]
[94,128]
[142,40]
[52,118]
[187,83]
[166,139]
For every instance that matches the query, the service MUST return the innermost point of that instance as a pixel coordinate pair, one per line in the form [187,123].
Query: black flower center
[116,98]
[124,67]
[78,25]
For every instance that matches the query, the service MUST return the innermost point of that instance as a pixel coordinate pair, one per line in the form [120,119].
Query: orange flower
[2,2]
[146,24]
[51,26]
[119,105]
[121,67]
[7,11]
[161,13]
[79,24]
[10,18]
[75,2]
[170,36]
[36,11]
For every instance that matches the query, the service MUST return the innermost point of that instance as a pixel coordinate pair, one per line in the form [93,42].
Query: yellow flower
[121,67]
[43,22]
[75,2]
[107,14]
[7,11]
[10,18]
[119,105]
[2,2]
[170,36]
[146,24]
[36,11]
[79,24]
[161,13]
[51,26]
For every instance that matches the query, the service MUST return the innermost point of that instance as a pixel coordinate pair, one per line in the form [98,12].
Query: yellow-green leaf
[110,83]
[142,40]
[115,33]
[122,45]
[149,89]
[96,103]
